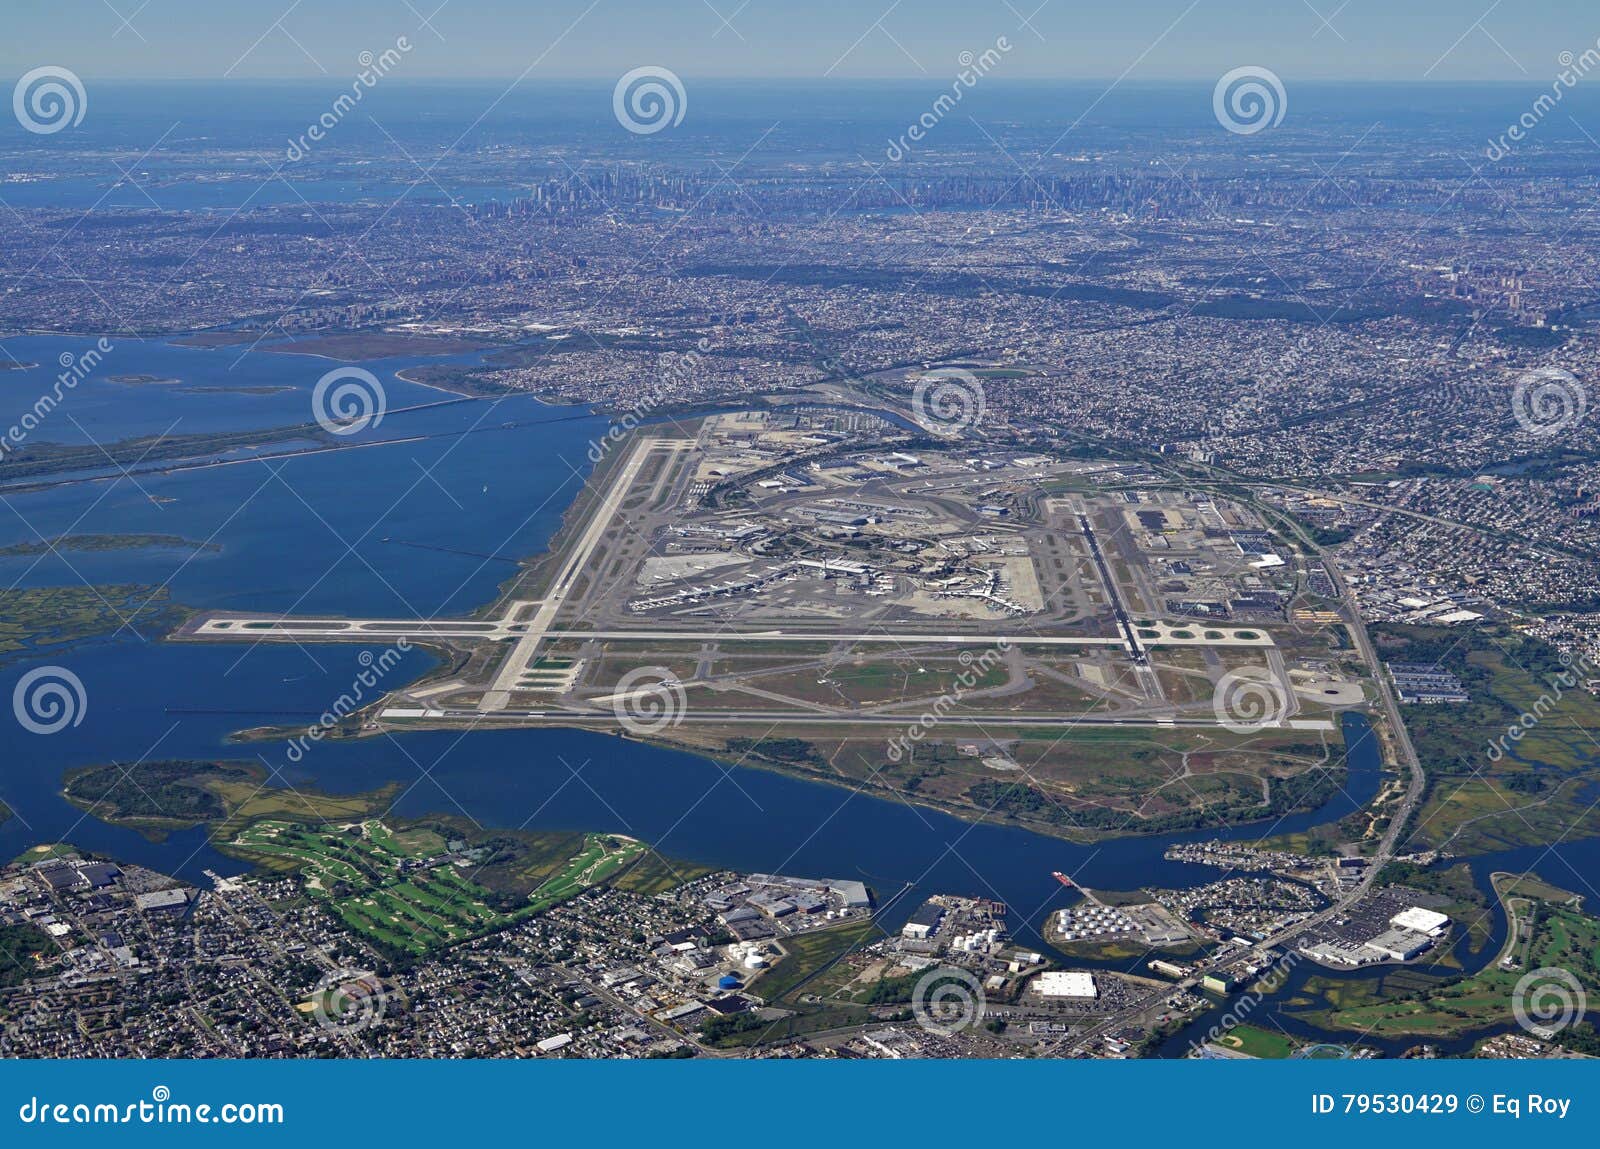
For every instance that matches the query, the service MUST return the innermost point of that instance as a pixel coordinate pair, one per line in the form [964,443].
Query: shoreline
[529,583]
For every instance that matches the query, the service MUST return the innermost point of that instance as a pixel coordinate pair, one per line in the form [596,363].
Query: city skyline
[725,530]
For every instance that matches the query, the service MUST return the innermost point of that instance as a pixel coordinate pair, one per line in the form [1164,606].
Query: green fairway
[405,891]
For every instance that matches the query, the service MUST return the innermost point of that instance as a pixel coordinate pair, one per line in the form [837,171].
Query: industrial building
[924,922]
[1067,983]
[1423,921]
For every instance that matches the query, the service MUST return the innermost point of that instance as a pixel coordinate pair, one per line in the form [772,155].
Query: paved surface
[499,693]
[260,628]
[560,715]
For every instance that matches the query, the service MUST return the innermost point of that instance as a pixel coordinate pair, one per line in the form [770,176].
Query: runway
[567,717]
[266,628]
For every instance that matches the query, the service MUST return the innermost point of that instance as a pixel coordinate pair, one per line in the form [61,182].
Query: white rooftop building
[1429,922]
[1066,983]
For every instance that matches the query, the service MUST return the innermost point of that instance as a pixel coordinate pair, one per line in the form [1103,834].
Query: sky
[1140,40]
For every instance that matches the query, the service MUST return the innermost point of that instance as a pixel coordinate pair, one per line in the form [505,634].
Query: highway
[1385,852]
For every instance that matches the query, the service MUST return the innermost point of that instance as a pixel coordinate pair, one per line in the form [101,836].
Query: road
[1416,786]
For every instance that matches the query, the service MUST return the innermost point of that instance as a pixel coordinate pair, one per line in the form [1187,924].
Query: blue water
[144,698]
[212,393]
[326,533]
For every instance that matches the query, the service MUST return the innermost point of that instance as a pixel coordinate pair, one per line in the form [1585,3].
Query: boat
[1063,879]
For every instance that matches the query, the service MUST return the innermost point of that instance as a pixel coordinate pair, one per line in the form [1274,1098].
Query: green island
[1081,783]
[218,338]
[41,619]
[38,461]
[1548,930]
[158,797]
[97,543]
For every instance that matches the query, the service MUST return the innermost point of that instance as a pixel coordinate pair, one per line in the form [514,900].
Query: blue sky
[1437,40]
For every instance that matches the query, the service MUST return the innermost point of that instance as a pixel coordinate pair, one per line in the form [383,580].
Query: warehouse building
[1067,983]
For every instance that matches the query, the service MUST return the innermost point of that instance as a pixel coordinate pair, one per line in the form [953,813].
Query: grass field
[404,889]
[1079,782]
[809,954]
[1488,790]
[159,796]
[602,858]
[1256,1042]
